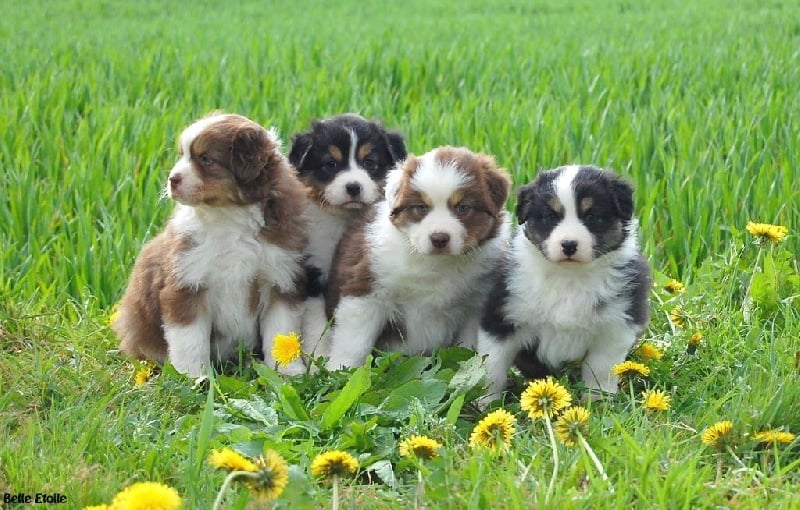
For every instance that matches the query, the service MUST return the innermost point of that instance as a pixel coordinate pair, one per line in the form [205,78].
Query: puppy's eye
[204,160]
[596,220]
[331,165]
[463,208]
[370,164]
[547,217]
[420,209]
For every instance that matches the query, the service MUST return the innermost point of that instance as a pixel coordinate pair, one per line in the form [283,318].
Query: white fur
[336,192]
[570,228]
[437,182]
[229,236]
[435,297]
[556,302]
[324,231]
[190,180]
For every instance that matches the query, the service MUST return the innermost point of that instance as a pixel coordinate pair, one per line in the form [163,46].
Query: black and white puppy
[343,160]
[575,286]
[412,275]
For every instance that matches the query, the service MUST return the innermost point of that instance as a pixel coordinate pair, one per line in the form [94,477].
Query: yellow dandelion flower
[495,430]
[147,496]
[656,400]
[231,461]
[572,423]
[718,434]
[544,397]
[647,351]
[694,342]
[630,369]
[673,286]
[114,315]
[333,463]
[774,437]
[286,348]
[421,447]
[272,475]
[142,375]
[678,317]
[765,231]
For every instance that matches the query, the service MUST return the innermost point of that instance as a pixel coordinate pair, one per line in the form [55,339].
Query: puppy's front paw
[484,402]
[294,368]
[190,369]
[338,363]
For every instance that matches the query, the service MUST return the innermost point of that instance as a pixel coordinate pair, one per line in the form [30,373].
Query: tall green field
[696,103]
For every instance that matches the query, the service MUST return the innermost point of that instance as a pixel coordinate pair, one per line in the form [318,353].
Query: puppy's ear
[397,146]
[250,152]
[301,143]
[622,191]
[394,178]
[497,181]
[524,203]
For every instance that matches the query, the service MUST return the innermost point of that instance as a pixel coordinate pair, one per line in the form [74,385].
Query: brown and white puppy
[412,277]
[226,272]
[343,160]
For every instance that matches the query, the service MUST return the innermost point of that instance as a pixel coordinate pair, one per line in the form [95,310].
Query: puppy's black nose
[569,247]
[440,239]
[353,189]
[175,179]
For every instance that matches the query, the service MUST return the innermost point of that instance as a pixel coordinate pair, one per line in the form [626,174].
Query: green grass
[694,103]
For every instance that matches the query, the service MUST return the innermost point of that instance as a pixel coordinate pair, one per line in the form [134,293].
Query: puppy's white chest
[324,232]
[234,265]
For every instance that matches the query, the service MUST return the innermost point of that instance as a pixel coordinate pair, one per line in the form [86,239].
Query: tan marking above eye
[336,153]
[455,198]
[410,200]
[555,204]
[586,204]
[364,151]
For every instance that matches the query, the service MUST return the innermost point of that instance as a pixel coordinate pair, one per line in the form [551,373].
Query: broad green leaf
[406,370]
[470,374]
[292,403]
[429,392]
[358,383]
[254,409]
[269,377]
[234,433]
[384,470]
[455,409]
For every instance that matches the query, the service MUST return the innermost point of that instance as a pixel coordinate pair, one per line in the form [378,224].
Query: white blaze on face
[437,182]
[570,239]
[184,182]
[356,179]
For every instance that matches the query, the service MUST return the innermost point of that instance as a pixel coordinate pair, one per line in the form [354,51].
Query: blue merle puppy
[575,286]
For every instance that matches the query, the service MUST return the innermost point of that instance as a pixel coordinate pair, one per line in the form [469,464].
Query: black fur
[493,319]
[315,283]
[311,156]
[638,272]
[527,362]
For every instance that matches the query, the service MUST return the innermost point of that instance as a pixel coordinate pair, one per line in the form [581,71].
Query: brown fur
[493,183]
[350,270]
[245,167]
[151,296]
[486,195]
